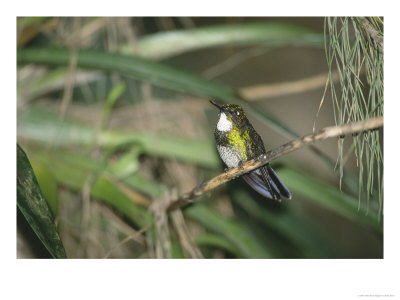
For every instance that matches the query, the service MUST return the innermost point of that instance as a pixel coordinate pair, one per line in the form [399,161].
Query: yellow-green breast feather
[239,141]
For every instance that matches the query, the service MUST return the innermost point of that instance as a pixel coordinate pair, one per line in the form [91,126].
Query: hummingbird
[237,142]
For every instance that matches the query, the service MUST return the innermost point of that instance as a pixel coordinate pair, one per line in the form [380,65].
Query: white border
[209,279]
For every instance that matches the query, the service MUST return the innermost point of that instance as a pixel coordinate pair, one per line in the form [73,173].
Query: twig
[133,195]
[189,247]
[163,247]
[327,132]
[233,61]
[72,66]
[263,91]
[128,238]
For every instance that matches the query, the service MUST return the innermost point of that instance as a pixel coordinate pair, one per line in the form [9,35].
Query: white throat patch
[224,124]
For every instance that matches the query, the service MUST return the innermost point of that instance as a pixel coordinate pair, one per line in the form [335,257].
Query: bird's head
[230,116]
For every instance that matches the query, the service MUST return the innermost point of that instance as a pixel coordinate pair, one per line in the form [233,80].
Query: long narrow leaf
[165,44]
[43,126]
[75,171]
[327,196]
[237,233]
[34,207]
[218,242]
[156,73]
[48,185]
[289,223]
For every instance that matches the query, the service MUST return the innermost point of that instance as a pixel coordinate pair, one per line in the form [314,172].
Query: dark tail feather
[257,183]
[266,182]
[283,190]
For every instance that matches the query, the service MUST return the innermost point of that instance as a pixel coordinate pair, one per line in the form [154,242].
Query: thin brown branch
[128,238]
[189,247]
[264,91]
[130,193]
[72,66]
[233,61]
[327,132]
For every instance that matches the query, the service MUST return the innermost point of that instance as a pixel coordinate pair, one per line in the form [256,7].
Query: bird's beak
[213,103]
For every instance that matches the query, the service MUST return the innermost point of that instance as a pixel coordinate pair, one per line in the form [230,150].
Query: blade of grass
[156,73]
[73,170]
[165,44]
[112,97]
[34,207]
[217,241]
[42,125]
[290,223]
[46,81]
[236,232]
[127,163]
[48,185]
[327,196]
[176,249]
[90,165]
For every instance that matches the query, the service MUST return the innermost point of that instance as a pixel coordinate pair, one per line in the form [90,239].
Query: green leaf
[176,249]
[127,164]
[165,44]
[47,81]
[34,207]
[43,126]
[112,97]
[290,223]
[74,171]
[218,242]
[156,73]
[327,196]
[234,231]
[47,184]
